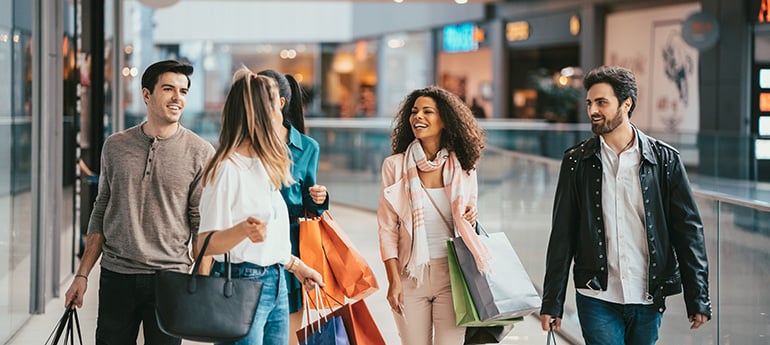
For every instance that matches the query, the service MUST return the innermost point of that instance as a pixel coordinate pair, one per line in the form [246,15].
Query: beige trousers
[429,315]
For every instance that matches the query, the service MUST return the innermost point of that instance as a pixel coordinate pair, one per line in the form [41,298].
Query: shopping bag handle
[551,335]
[66,321]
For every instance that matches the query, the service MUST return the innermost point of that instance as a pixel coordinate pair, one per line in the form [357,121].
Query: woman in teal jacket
[304,195]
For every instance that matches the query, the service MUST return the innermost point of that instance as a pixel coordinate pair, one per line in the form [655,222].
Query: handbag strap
[228,269]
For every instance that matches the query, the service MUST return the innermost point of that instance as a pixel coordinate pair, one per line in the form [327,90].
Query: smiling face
[166,103]
[604,110]
[425,120]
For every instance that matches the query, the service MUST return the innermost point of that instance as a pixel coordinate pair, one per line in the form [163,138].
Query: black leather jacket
[676,248]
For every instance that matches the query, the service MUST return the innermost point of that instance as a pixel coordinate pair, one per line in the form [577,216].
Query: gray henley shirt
[147,206]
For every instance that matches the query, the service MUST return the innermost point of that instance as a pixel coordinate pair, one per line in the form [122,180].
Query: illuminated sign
[762,148]
[764,11]
[764,78]
[461,38]
[764,102]
[764,126]
[517,31]
[574,25]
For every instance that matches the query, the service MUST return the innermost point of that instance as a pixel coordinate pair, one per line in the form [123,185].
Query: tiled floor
[361,226]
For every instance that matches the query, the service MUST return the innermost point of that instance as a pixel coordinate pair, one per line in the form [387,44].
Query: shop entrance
[546,83]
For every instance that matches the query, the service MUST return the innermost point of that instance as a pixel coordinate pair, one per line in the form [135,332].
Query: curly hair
[461,132]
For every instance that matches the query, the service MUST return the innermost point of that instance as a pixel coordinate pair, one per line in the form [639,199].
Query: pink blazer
[394,214]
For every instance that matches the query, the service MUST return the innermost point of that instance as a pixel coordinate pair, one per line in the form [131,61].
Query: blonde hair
[247,117]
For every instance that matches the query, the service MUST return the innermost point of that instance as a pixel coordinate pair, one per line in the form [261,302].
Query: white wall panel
[254,22]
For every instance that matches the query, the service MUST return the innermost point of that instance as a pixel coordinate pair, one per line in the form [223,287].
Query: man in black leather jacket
[625,214]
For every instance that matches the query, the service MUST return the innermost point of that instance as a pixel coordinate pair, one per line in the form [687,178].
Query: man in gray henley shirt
[146,211]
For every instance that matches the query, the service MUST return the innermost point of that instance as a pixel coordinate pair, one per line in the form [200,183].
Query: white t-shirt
[241,189]
[435,227]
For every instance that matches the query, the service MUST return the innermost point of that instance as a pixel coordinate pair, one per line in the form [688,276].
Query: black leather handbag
[205,308]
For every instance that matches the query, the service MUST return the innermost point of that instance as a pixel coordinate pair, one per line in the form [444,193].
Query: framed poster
[673,97]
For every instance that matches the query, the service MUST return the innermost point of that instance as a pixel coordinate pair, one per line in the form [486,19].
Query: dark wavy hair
[621,79]
[461,132]
[153,72]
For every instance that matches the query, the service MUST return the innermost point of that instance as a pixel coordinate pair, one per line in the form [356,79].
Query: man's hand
[76,292]
[546,320]
[698,320]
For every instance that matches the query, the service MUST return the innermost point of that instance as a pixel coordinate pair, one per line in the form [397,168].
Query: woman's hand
[318,194]
[396,297]
[308,276]
[471,214]
[254,229]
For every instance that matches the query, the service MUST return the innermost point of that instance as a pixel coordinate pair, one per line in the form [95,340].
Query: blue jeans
[605,323]
[271,321]
[125,301]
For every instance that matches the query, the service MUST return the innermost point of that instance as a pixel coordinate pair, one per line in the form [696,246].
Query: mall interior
[70,76]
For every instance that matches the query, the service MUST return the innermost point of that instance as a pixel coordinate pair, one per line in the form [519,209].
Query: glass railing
[517,181]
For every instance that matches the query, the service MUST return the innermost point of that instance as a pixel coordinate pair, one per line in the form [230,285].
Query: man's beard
[608,125]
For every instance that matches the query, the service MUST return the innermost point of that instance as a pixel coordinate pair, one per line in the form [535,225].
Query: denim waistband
[244,264]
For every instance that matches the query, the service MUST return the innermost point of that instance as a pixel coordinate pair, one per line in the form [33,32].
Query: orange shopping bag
[350,269]
[359,324]
[311,252]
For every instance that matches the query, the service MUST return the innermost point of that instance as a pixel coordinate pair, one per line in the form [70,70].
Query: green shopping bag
[465,311]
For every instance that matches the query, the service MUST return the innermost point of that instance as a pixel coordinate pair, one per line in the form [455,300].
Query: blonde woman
[242,204]
[429,193]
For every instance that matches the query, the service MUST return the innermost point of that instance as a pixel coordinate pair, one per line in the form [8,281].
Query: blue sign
[460,38]
[700,30]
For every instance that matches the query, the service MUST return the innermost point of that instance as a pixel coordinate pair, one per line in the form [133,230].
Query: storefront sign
[517,31]
[460,38]
[700,30]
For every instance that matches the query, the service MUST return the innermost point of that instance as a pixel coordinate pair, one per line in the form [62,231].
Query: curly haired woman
[429,193]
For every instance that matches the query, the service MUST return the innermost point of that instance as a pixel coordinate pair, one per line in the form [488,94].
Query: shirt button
[602,268]
[147,173]
[654,277]
[601,243]
[597,205]
[601,256]
[654,264]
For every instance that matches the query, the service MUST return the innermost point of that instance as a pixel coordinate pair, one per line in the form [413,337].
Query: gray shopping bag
[506,291]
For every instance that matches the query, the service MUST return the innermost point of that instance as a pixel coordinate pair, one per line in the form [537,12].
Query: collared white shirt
[623,212]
